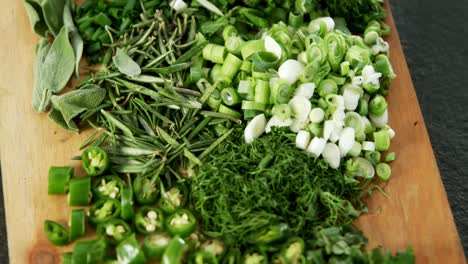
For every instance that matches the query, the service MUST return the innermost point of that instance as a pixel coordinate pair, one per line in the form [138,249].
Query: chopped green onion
[290,70]
[345,68]
[368,145]
[316,115]
[316,146]
[302,139]
[354,120]
[264,60]
[230,66]
[246,89]
[379,121]
[282,111]
[384,171]
[377,105]
[382,64]
[373,157]
[351,94]
[262,92]
[229,31]
[272,46]
[300,107]
[315,129]
[251,47]
[365,168]
[362,108]
[228,111]
[326,87]
[295,20]
[331,154]
[382,140]
[281,92]
[216,73]
[390,157]
[255,128]
[246,66]
[230,96]
[214,53]
[276,122]
[355,151]
[368,127]
[234,44]
[346,141]
[214,101]
[252,105]
[370,37]
[306,90]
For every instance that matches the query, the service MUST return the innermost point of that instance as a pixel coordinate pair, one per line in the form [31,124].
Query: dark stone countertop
[434,41]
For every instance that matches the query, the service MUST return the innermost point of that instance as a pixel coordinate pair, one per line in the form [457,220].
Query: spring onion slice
[281,91]
[252,46]
[331,154]
[355,121]
[276,122]
[316,115]
[381,140]
[206,4]
[316,146]
[379,121]
[355,151]
[390,157]
[282,111]
[366,169]
[351,94]
[302,139]
[298,124]
[230,96]
[264,60]
[328,128]
[368,146]
[290,70]
[252,105]
[230,66]
[383,171]
[233,44]
[262,92]
[306,90]
[300,107]
[255,128]
[346,141]
[377,105]
[272,46]
[336,134]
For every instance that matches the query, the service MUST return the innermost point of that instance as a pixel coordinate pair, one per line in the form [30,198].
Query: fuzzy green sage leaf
[75,37]
[36,18]
[125,64]
[59,63]
[68,106]
[41,95]
[53,14]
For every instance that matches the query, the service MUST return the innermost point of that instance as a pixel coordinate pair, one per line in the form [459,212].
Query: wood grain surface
[416,214]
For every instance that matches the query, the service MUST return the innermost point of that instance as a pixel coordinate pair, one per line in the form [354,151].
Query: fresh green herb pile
[169,176]
[244,189]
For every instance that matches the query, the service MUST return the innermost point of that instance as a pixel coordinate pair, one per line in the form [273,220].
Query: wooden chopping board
[416,214]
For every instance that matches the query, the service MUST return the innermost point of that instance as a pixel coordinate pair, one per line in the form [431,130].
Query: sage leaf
[53,14]
[59,63]
[68,106]
[125,64]
[36,19]
[75,38]
[41,95]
